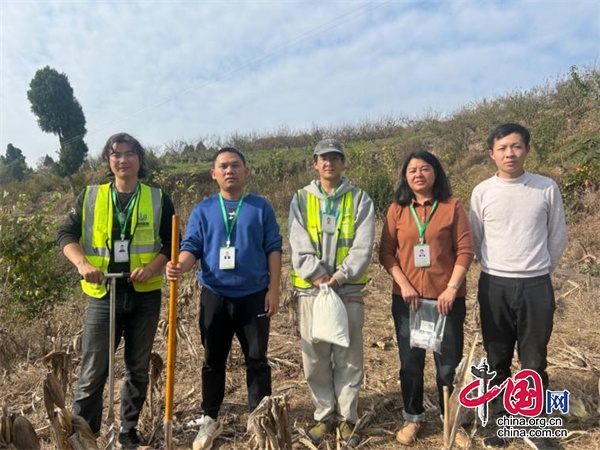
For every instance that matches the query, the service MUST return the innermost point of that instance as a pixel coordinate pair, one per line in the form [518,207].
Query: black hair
[504,130]
[229,150]
[441,187]
[124,138]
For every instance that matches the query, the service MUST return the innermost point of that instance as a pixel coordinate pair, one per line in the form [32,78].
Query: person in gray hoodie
[331,230]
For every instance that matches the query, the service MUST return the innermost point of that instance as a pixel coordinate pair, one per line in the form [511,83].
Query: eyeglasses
[116,156]
[330,157]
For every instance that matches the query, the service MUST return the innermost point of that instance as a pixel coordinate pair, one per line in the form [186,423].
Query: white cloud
[166,71]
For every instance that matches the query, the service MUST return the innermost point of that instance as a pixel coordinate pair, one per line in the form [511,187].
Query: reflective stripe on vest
[96,236]
[344,234]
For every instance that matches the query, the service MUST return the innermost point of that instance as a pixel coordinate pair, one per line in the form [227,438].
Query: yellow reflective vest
[344,234]
[96,236]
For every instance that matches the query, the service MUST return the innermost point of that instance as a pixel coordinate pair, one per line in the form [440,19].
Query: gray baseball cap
[329,146]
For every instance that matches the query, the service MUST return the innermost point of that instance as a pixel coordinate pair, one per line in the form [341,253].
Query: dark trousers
[515,310]
[221,318]
[137,316]
[412,360]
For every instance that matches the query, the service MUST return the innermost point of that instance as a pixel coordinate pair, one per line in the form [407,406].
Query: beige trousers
[334,374]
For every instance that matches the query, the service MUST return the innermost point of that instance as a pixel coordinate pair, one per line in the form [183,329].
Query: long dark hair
[125,138]
[441,187]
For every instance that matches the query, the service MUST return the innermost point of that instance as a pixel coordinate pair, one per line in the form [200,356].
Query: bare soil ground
[574,365]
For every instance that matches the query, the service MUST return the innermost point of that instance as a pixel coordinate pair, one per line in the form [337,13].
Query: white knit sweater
[518,226]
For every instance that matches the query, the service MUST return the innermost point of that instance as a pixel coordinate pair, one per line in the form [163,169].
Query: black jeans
[137,316]
[221,318]
[412,360]
[515,310]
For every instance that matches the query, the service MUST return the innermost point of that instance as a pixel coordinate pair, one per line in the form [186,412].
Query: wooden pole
[172,338]
[446,418]
[457,407]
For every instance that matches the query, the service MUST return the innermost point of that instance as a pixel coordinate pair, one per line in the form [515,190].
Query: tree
[59,112]
[13,166]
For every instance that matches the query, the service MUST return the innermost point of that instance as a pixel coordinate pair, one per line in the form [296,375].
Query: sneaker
[495,441]
[130,439]
[209,430]
[539,443]
[319,431]
[347,433]
[462,439]
[408,433]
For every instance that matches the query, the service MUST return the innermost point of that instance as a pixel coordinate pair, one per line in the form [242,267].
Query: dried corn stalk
[456,411]
[156,367]
[71,432]
[16,432]
[269,424]
[6,423]
[60,365]
[149,413]
[24,436]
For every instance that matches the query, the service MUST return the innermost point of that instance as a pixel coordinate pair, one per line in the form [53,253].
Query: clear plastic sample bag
[427,326]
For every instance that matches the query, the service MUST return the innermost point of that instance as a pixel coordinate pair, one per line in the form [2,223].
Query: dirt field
[574,365]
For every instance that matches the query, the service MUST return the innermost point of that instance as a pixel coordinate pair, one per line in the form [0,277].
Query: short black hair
[441,187]
[125,138]
[501,131]
[229,150]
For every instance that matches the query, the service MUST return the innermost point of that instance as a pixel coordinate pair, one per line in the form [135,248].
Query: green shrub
[575,183]
[33,275]
[285,166]
[369,170]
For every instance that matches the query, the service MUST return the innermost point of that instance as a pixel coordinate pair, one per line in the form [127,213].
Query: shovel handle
[171,339]
[117,275]
[110,417]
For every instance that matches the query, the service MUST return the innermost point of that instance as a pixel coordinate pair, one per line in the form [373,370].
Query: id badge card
[328,223]
[422,255]
[227,258]
[121,251]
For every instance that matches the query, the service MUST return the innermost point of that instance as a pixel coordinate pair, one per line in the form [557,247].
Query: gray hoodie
[304,258]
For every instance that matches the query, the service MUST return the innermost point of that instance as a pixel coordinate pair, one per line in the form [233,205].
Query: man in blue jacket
[236,237]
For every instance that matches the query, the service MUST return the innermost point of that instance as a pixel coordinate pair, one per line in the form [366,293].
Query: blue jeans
[137,316]
[412,360]
[220,319]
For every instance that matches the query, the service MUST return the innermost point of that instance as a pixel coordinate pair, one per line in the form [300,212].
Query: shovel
[172,339]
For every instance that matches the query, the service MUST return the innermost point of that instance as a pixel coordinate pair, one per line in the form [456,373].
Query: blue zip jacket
[255,235]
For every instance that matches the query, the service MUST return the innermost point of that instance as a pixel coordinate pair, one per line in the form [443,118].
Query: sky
[188,71]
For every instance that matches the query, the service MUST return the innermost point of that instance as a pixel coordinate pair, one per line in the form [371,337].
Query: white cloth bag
[330,318]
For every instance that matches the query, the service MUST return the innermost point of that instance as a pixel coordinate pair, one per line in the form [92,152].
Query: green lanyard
[228,227]
[124,216]
[423,226]
[329,199]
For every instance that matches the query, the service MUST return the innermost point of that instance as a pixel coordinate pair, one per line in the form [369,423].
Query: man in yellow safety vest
[331,229]
[120,226]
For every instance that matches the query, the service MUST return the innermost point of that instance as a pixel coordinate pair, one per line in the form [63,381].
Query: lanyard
[124,216]
[329,199]
[228,227]
[423,226]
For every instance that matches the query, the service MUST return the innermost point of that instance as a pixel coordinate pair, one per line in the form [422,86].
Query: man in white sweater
[519,234]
